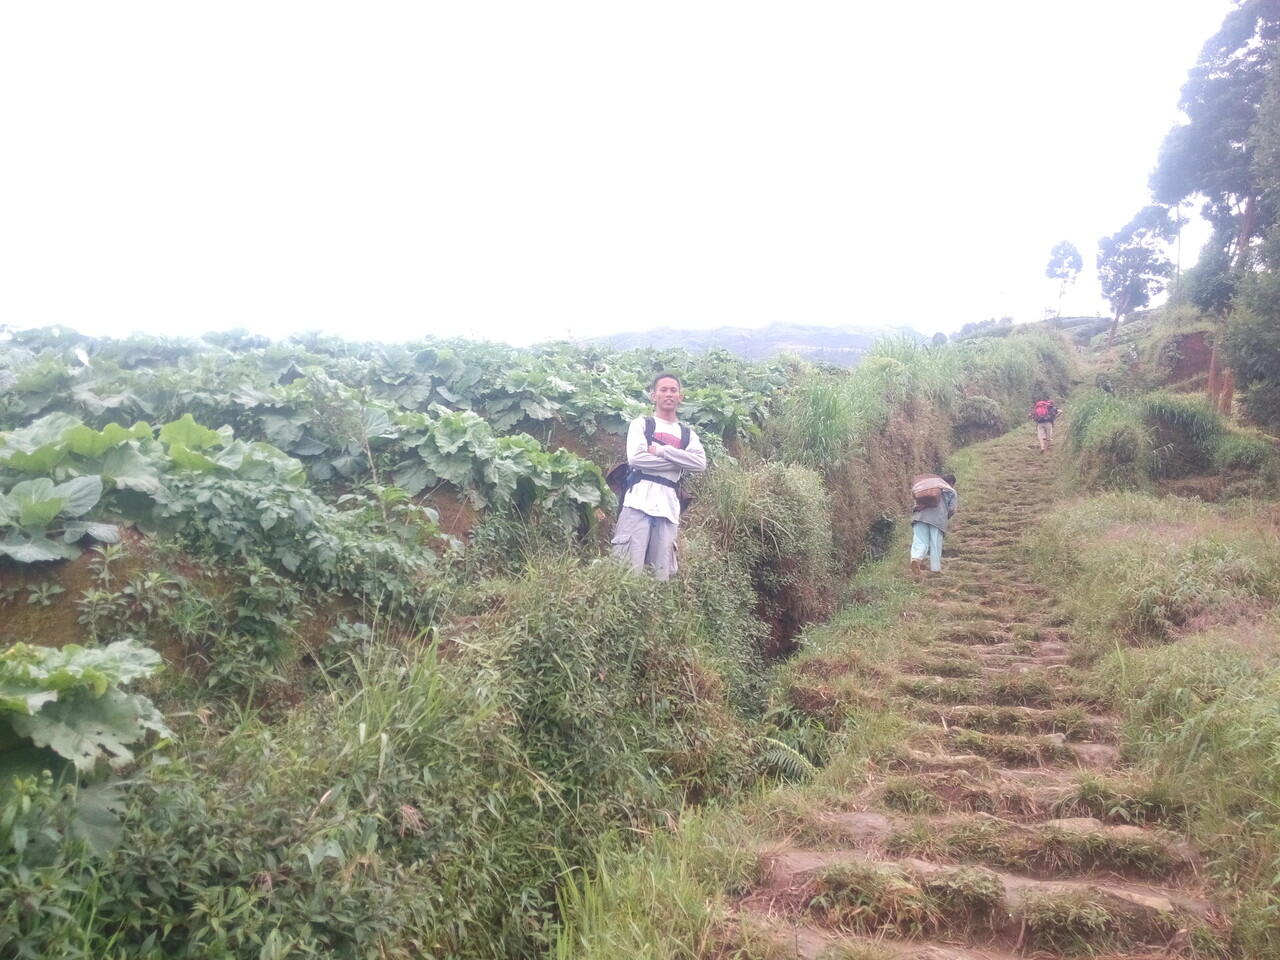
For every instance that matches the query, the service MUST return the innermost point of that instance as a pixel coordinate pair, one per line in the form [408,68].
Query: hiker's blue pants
[926,538]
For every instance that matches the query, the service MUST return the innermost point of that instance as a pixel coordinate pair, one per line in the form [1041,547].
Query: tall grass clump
[1122,444]
[1187,432]
[1244,450]
[772,519]
[658,902]
[1110,442]
[1016,370]
[828,417]
[1207,713]
[819,420]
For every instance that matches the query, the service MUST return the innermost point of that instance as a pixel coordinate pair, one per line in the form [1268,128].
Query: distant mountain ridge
[842,345]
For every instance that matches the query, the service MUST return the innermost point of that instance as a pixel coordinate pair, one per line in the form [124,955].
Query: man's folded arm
[692,459]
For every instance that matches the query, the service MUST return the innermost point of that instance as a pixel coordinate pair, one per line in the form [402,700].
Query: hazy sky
[526,170]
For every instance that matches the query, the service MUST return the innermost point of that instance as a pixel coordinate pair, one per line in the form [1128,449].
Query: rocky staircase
[992,831]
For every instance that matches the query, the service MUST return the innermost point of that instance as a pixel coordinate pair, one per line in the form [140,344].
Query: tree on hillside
[1211,155]
[1065,264]
[1252,342]
[1133,263]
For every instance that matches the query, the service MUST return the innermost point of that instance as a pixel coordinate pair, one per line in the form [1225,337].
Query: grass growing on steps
[1047,850]
[652,902]
[877,899]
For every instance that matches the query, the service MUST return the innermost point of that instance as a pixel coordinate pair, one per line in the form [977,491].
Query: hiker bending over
[935,505]
[1044,413]
[660,450]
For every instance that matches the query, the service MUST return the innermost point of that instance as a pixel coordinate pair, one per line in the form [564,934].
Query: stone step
[1047,849]
[903,900]
[1073,723]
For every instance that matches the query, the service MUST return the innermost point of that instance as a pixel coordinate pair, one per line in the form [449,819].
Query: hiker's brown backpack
[927,491]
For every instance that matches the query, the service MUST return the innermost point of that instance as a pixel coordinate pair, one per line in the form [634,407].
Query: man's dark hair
[653,384]
[950,478]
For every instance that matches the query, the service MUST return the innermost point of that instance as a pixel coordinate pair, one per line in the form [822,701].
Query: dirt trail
[975,840]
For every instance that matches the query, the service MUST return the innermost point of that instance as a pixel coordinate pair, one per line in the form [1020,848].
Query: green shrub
[1241,450]
[326,835]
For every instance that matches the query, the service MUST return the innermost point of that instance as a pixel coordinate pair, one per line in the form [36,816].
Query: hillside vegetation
[310,649]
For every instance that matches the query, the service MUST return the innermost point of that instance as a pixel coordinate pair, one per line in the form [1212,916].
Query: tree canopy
[1133,265]
[1065,262]
[1212,153]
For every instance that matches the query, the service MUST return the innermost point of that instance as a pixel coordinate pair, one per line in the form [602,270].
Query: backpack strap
[651,427]
[636,476]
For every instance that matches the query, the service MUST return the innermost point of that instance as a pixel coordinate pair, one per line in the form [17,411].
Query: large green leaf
[79,495]
[457,469]
[83,728]
[376,423]
[191,435]
[79,529]
[413,478]
[74,666]
[87,442]
[38,447]
[189,459]
[35,549]
[284,431]
[129,469]
[37,502]
[95,820]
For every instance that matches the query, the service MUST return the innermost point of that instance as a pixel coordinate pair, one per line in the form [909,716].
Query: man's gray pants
[644,541]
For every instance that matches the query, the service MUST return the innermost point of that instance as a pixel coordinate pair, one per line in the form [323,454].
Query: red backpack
[1044,411]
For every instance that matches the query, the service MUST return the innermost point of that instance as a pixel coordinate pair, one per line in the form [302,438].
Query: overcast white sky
[526,170]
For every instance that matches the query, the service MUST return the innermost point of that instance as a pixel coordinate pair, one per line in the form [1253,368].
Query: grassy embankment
[385,789]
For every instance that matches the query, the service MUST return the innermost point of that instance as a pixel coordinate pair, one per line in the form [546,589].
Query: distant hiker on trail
[935,504]
[1044,413]
[660,450]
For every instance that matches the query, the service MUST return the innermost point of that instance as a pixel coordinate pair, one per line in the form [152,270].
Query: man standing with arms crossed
[660,450]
